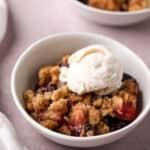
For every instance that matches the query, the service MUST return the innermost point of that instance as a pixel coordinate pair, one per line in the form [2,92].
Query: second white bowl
[110,17]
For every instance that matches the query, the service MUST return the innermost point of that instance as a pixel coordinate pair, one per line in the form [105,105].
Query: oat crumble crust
[55,107]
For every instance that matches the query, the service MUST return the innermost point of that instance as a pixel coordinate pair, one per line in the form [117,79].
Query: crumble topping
[57,108]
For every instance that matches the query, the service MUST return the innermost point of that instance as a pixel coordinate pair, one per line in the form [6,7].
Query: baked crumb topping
[57,108]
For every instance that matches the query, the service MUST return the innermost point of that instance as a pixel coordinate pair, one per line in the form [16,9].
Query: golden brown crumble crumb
[94,116]
[55,74]
[51,124]
[97,103]
[29,106]
[28,95]
[47,95]
[138,4]
[44,75]
[39,102]
[64,129]
[59,106]
[102,128]
[106,108]
[74,97]
[59,93]
[90,133]
[87,99]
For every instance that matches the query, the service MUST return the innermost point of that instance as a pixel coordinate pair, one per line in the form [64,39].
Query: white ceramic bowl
[48,51]
[110,17]
[3,18]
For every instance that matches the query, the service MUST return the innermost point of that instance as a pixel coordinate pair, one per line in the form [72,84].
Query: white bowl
[110,17]
[48,51]
[3,18]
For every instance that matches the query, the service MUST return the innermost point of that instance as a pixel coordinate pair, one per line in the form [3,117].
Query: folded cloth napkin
[8,137]
[3,19]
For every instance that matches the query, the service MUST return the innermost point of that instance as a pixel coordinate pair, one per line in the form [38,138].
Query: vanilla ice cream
[92,69]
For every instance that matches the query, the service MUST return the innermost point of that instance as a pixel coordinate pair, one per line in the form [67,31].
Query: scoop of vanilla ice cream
[92,69]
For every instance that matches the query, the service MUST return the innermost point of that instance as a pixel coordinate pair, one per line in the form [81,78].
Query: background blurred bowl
[110,17]
[48,51]
[3,18]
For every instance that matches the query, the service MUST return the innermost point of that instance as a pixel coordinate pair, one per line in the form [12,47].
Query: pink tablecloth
[32,19]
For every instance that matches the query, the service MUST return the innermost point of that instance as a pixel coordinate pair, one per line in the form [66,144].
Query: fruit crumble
[118,5]
[53,105]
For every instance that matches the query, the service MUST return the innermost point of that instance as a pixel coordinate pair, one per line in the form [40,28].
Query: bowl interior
[51,49]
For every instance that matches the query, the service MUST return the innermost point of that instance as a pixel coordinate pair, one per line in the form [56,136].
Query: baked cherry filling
[57,108]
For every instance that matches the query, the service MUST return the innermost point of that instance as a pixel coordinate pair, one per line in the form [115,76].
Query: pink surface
[32,19]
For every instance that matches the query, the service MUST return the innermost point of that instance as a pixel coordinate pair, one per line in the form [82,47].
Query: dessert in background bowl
[113,12]
[118,5]
[96,115]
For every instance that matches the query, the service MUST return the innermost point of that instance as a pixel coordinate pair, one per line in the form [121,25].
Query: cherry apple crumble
[118,5]
[57,108]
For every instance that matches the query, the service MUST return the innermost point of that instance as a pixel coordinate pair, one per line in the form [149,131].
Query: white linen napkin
[8,137]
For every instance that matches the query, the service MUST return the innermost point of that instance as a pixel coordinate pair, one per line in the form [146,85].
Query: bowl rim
[106,12]
[51,133]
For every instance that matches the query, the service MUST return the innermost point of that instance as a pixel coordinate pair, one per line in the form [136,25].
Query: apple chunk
[125,109]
